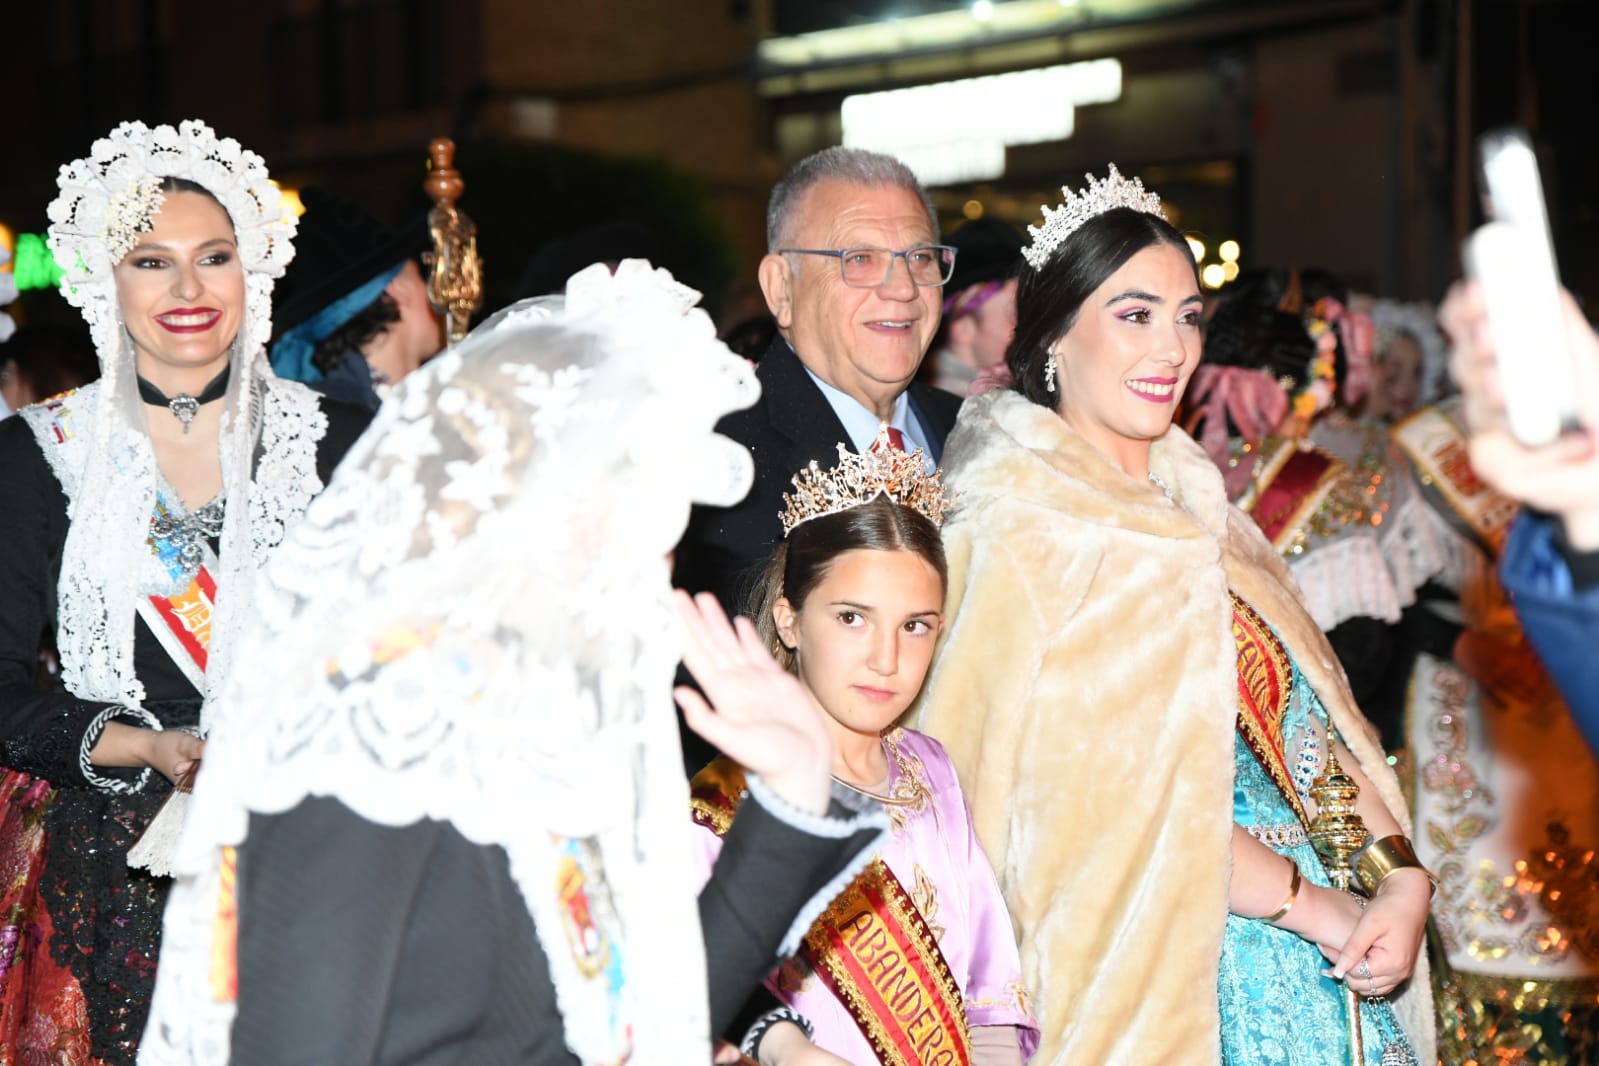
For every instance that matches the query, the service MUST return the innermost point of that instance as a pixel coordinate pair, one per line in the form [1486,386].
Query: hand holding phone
[1512,259]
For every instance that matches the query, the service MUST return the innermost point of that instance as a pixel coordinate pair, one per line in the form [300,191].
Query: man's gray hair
[856,166]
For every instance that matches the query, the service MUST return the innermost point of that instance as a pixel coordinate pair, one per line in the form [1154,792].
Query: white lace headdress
[474,625]
[109,471]
[1420,321]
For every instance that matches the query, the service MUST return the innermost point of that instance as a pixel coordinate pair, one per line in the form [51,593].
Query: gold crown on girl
[859,479]
[1097,198]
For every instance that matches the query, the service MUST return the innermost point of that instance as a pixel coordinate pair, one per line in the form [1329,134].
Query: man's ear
[408,282]
[776,276]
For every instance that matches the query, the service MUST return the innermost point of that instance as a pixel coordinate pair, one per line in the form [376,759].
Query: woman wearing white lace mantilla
[138,510]
[450,803]
[1136,699]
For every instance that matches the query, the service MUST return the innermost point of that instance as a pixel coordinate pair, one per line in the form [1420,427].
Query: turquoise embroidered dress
[1276,1007]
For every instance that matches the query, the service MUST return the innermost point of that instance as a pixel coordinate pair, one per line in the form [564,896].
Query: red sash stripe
[1284,502]
[188,614]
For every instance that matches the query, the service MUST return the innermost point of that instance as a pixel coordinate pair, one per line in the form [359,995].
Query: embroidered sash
[872,946]
[1265,687]
[1289,486]
[181,622]
[1438,448]
[874,950]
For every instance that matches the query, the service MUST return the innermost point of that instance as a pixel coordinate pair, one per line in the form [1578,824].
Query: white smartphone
[1513,259]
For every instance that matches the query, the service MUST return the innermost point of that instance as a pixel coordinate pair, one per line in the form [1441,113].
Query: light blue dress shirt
[862,424]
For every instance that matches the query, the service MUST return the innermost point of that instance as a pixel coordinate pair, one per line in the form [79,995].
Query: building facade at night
[1311,132]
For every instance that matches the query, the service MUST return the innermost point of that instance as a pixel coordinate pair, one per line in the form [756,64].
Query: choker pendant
[184,407]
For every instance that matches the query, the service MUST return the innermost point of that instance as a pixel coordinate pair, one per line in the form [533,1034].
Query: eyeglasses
[869,268]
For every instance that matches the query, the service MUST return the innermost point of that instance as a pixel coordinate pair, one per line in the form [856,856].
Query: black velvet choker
[183,406]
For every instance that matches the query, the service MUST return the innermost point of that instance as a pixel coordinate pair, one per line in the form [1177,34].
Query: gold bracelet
[1382,857]
[1293,894]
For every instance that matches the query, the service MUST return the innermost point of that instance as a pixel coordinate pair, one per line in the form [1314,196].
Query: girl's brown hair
[801,562]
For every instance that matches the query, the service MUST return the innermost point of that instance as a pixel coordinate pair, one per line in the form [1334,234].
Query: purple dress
[933,852]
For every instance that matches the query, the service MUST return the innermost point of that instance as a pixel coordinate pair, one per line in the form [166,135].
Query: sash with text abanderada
[872,947]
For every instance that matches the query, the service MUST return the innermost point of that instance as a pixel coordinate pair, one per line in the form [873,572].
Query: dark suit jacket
[791,425]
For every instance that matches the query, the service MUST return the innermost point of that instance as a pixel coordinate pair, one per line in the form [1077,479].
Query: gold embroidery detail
[1542,908]
[925,896]
[1499,1021]
[910,790]
[715,794]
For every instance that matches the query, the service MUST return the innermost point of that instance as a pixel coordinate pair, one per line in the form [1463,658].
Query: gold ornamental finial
[1338,832]
[455,274]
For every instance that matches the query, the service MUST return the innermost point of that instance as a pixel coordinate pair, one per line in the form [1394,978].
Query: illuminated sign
[958,130]
[34,266]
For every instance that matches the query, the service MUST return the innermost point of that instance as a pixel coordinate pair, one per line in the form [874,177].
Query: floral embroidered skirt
[43,1016]
[79,931]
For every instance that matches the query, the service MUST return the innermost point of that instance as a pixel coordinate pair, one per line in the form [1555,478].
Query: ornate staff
[455,276]
[1337,832]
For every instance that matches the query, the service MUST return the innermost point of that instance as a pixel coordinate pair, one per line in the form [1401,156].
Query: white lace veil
[110,476]
[474,625]
[1420,321]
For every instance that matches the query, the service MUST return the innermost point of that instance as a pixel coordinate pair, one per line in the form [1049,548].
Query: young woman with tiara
[915,961]
[1139,704]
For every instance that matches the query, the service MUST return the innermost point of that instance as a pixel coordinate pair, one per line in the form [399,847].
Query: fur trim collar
[1086,689]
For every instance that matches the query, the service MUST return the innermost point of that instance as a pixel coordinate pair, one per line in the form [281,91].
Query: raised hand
[1561,478]
[758,713]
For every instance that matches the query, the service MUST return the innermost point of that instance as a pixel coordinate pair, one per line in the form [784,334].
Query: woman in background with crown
[850,603]
[138,509]
[1137,701]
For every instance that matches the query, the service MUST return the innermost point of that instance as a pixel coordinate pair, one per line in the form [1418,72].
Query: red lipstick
[189,319]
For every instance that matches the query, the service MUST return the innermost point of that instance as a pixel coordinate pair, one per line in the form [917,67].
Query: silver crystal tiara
[1097,198]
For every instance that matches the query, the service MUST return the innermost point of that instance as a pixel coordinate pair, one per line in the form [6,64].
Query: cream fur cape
[1086,688]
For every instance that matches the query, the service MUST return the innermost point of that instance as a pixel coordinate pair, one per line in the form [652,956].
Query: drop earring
[1049,372]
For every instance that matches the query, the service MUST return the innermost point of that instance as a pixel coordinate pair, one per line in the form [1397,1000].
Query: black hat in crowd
[986,249]
[337,248]
[606,242]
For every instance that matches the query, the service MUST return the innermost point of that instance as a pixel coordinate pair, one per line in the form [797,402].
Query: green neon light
[34,266]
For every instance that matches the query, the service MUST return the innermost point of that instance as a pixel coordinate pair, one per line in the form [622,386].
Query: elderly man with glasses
[854,275]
